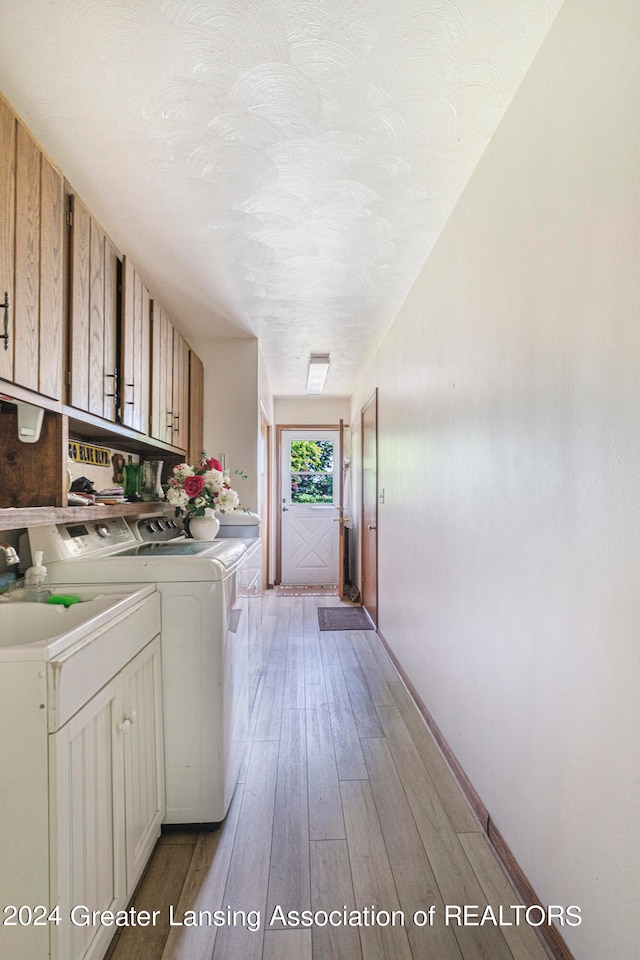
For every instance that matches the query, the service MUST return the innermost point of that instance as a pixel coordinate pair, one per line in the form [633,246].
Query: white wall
[508,441]
[231,408]
[311,410]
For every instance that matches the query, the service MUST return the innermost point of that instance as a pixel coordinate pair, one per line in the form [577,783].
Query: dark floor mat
[343,618]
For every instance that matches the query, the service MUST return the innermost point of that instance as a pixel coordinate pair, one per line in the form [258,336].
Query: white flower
[228,500]
[183,470]
[177,497]
[214,480]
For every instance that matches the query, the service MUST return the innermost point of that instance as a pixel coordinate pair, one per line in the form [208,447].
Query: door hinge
[68,378]
[69,217]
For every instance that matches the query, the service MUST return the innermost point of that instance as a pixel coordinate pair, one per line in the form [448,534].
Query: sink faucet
[11,556]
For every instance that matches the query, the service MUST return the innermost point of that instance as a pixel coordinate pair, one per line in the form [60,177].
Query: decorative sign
[84,453]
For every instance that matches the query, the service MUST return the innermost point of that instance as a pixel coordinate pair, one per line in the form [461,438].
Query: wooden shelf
[15,519]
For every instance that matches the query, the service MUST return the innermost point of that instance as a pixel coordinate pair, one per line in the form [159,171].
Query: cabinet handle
[5,306]
[111,376]
[125,726]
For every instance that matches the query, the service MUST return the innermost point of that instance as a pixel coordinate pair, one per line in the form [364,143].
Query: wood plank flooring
[344,804]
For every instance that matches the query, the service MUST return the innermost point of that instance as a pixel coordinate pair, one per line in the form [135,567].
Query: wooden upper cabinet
[169,381]
[162,375]
[31,262]
[135,350]
[196,406]
[93,306]
[180,391]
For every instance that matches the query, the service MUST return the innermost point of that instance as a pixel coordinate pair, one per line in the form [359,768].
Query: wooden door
[341,518]
[110,342]
[31,262]
[136,344]
[369,515]
[196,406]
[7,236]
[27,274]
[51,310]
[180,401]
[265,493]
[80,268]
[93,315]
[162,374]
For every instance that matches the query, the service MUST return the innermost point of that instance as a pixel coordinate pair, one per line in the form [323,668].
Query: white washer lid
[238,518]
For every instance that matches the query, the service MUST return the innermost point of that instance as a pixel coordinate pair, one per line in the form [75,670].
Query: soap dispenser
[36,580]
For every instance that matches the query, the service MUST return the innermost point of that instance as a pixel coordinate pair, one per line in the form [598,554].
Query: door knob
[285,509]
[372,526]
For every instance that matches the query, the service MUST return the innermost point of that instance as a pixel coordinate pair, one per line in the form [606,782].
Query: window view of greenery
[311,471]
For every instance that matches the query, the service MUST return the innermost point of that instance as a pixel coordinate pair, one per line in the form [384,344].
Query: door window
[312,469]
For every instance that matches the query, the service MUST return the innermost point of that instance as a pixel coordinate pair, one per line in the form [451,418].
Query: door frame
[280,429]
[373,400]
[266,497]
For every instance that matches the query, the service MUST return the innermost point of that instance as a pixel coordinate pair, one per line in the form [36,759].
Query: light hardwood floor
[344,802]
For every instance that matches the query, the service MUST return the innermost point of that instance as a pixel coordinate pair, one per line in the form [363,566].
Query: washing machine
[203,588]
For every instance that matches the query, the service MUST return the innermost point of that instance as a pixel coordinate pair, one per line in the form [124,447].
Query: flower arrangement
[205,485]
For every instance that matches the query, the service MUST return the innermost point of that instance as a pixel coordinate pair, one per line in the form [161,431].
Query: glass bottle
[131,472]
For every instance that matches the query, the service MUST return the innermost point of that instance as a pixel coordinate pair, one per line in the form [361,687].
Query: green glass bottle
[131,472]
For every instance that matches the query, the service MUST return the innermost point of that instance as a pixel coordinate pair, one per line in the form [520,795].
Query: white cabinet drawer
[76,676]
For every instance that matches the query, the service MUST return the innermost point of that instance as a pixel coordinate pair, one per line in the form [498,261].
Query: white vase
[204,528]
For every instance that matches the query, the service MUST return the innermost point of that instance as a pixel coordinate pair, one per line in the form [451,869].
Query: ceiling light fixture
[317,374]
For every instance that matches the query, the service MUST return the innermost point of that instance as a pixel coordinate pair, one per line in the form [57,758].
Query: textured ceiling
[279,168]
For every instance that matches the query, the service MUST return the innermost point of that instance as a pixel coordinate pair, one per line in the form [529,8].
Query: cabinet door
[87,821]
[7,234]
[180,391]
[143,757]
[50,338]
[110,355]
[136,342]
[93,315]
[38,270]
[196,407]
[162,374]
[31,262]
[27,273]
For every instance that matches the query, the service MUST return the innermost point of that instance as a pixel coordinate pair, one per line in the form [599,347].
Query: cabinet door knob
[125,726]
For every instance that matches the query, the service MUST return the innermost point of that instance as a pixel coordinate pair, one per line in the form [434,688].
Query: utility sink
[40,631]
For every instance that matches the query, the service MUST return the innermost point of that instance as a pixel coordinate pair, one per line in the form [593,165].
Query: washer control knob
[151,527]
[103,530]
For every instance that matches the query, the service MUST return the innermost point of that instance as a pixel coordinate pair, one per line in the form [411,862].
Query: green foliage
[312,489]
[311,456]
[311,466]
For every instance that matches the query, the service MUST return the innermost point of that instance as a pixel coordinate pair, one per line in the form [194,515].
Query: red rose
[193,486]
[213,464]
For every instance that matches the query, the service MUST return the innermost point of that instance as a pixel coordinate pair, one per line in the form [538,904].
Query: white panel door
[309,502]
[87,822]
[143,757]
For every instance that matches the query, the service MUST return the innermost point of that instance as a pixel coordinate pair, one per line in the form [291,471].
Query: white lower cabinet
[81,787]
[106,764]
